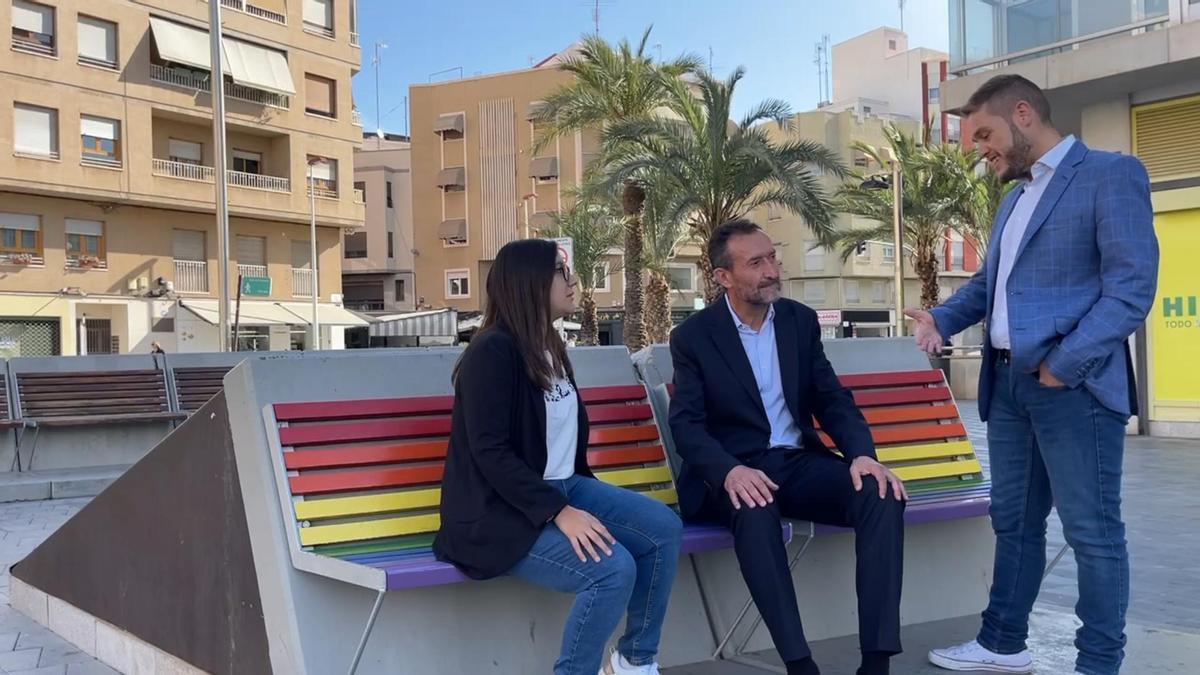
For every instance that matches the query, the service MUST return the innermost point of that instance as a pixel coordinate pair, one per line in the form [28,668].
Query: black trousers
[816,486]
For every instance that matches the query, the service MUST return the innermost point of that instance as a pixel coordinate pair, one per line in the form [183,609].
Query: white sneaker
[973,656]
[617,665]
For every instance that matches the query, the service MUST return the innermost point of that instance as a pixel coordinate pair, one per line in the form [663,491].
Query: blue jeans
[1060,447]
[636,579]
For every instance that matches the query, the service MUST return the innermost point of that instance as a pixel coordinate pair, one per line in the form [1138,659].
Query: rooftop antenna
[375,62]
[901,2]
[596,15]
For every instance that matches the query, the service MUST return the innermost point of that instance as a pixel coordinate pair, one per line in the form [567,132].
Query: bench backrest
[91,393]
[364,476]
[195,386]
[6,412]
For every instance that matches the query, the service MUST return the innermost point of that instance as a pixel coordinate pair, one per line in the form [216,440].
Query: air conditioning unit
[336,298]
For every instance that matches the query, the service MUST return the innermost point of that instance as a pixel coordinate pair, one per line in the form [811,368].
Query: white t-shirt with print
[562,429]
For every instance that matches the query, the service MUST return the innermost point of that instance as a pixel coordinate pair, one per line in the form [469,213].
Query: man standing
[1070,275]
[750,375]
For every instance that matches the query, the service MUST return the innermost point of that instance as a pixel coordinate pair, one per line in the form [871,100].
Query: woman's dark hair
[518,301]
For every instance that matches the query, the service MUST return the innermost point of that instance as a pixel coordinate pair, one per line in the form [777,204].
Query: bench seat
[89,420]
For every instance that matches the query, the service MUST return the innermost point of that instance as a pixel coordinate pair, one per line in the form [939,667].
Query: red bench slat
[364,455]
[318,411]
[600,414]
[351,432]
[627,392]
[899,396]
[316,483]
[877,380]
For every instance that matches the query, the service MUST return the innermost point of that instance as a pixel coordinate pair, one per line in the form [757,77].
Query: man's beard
[1019,157]
[759,297]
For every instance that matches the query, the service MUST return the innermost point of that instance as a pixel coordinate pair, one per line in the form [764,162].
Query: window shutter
[91,228]
[35,130]
[97,40]
[251,251]
[33,17]
[188,245]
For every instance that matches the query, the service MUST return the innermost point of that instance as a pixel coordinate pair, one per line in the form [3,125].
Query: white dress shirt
[763,354]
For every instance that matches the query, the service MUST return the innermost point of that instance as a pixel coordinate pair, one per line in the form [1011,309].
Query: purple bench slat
[919,513]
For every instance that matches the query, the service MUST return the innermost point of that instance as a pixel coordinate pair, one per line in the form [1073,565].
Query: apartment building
[855,298]
[1123,77]
[477,185]
[108,239]
[377,261]
[876,73]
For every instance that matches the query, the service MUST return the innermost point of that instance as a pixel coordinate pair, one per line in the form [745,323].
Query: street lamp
[312,237]
[896,183]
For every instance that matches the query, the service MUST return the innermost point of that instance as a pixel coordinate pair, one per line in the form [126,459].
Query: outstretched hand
[928,338]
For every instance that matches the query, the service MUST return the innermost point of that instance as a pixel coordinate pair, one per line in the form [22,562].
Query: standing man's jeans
[635,580]
[1060,447]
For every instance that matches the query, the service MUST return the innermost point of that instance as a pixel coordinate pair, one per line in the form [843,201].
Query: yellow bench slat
[909,453]
[940,470]
[367,504]
[627,477]
[369,529]
[667,497]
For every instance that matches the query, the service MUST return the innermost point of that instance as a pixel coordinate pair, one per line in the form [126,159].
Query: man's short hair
[718,243]
[1002,93]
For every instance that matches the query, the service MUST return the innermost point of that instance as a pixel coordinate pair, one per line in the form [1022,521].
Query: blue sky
[773,40]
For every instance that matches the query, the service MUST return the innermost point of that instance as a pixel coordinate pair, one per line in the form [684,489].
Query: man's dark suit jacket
[717,416]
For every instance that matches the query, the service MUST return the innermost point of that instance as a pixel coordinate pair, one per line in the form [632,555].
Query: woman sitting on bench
[518,497]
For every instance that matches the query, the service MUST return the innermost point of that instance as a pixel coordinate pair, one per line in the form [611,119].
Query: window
[889,253]
[97,42]
[33,27]
[934,94]
[85,242]
[601,278]
[188,245]
[20,234]
[852,293]
[957,256]
[814,257]
[301,255]
[390,204]
[361,186]
[390,244]
[35,131]
[814,291]
[458,284]
[320,95]
[101,140]
[184,152]
[251,251]
[892,45]
[682,277]
[877,291]
[866,110]
[861,160]
[318,17]
[324,176]
[247,162]
[400,291]
[355,245]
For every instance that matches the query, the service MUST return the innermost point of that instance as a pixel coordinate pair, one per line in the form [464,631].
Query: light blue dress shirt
[1014,231]
[763,354]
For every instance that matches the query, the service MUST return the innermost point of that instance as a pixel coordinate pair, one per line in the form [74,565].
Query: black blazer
[494,500]
[717,416]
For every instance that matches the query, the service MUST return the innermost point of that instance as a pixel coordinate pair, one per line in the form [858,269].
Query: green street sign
[256,286]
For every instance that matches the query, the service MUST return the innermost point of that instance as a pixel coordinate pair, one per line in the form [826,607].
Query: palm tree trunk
[589,325]
[658,308]
[712,290]
[633,199]
[927,272]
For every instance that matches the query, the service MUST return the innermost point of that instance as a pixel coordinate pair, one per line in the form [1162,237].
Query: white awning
[252,312]
[436,323]
[258,67]
[181,44]
[328,314]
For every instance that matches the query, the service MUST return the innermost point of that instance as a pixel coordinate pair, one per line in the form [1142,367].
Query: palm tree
[715,170]
[976,191]
[930,206]
[594,230]
[664,236]
[613,85]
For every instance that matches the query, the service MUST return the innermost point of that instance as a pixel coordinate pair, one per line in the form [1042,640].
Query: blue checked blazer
[1083,281]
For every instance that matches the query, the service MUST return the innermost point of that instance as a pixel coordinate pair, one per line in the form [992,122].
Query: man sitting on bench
[750,374]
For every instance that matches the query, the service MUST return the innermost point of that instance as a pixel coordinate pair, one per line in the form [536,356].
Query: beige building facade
[377,261]
[108,239]
[477,184]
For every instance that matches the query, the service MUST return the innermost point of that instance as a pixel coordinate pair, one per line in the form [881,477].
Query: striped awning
[435,323]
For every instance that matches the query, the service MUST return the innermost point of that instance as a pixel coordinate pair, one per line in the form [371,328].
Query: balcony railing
[191,276]
[356,117]
[252,10]
[35,43]
[354,39]
[364,305]
[252,270]
[200,81]
[259,182]
[317,29]
[22,259]
[323,189]
[76,262]
[184,170]
[360,196]
[302,283]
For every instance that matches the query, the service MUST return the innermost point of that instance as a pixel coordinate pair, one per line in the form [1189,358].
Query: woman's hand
[585,533]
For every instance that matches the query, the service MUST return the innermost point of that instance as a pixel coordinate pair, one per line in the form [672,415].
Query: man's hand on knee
[749,486]
[865,466]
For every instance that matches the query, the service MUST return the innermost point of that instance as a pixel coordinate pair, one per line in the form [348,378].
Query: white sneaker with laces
[973,656]
[617,665]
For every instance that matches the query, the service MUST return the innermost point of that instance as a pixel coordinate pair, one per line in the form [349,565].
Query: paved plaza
[1161,503]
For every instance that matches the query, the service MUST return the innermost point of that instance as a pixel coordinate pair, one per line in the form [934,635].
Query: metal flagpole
[218,100]
[312,239]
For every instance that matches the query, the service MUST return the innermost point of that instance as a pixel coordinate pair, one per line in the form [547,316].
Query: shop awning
[252,313]
[258,67]
[436,323]
[328,314]
[476,322]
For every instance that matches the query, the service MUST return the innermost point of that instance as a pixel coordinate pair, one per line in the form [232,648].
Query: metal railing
[323,190]
[316,29]
[259,182]
[302,283]
[191,276]
[22,259]
[1055,47]
[33,46]
[184,170]
[252,10]
[252,270]
[356,117]
[76,262]
[354,39]
[199,81]
[364,305]
[360,196]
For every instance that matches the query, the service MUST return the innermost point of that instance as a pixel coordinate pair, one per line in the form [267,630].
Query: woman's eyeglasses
[564,270]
